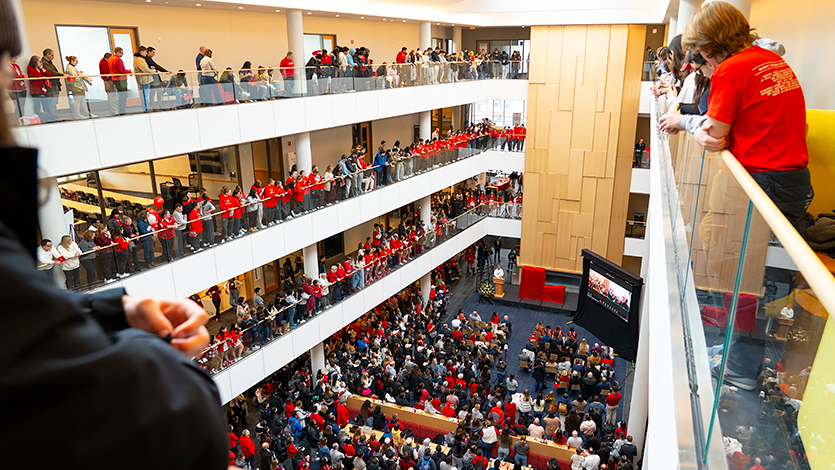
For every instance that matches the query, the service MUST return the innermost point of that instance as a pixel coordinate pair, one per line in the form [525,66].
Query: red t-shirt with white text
[758,94]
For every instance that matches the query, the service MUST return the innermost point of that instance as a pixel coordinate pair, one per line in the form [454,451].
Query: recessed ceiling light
[404,21]
[240,8]
[197,4]
[337,16]
[439,24]
[277,11]
[148,1]
[362,17]
[384,19]
[309,13]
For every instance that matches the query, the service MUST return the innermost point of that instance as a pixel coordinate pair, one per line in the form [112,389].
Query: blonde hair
[718,29]
[71,59]
[66,240]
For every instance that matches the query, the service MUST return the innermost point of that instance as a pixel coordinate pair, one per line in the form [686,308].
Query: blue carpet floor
[523,322]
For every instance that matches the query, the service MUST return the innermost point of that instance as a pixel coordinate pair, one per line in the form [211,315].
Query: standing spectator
[209,86]
[55,89]
[207,209]
[88,259]
[39,89]
[167,225]
[143,77]
[109,86]
[180,219]
[145,230]
[771,145]
[247,448]
[129,232]
[592,461]
[119,79]
[17,89]
[521,449]
[47,259]
[156,83]
[198,61]
[77,86]
[195,228]
[253,203]
[612,402]
[214,294]
[288,74]
[68,251]
[108,257]
[629,450]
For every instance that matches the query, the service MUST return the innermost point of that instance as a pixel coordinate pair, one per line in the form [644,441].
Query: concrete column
[426,210]
[456,118]
[425,125]
[742,5]
[671,31]
[425,287]
[304,155]
[310,256]
[425,35]
[317,360]
[456,38]
[686,10]
[51,220]
[295,39]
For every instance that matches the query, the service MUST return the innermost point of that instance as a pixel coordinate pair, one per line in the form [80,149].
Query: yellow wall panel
[601,132]
[549,247]
[555,38]
[572,248]
[583,223]
[564,234]
[555,208]
[575,175]
[574,40]
[615,68]
[567,76]
[612,147]
[588,195]
[567,205]
[582,129]
[560,142]
[597,54]
[595,164]
[539,54]
[544,196]
[560,186]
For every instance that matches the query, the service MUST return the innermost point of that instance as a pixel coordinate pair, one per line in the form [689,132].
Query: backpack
[562,408]
[426,464]
[439,439]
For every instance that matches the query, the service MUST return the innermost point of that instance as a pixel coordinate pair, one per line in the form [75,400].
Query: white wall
[393,129]
[805,29]
[329,144]
[100,143]
[352,237]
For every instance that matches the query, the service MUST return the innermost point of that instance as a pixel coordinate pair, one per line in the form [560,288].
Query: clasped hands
[183,320]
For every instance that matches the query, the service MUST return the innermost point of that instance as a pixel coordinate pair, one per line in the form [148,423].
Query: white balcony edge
[109,142]
[182,278]
[261,363]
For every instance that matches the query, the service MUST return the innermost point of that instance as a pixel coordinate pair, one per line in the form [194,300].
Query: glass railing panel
[41,100]
[256,333]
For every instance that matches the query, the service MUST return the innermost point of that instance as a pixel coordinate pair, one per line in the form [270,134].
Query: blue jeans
[361,273]
[502,453]
[291,312]
[355,280]
[487,449]
[289,82]
[145,95]
[522,459]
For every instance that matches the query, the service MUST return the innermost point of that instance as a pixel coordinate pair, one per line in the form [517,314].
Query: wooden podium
[783,325]
[499,282]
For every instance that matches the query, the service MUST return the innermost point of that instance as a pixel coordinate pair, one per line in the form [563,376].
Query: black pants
[122,261]
[216,303]
[108,265]
[791,191]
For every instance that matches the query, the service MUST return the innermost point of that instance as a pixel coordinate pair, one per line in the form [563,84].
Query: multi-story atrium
[434,236]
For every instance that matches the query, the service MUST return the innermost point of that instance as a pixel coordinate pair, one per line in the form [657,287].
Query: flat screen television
[608,305]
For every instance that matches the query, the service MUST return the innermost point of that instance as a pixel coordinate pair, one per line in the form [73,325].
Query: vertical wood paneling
[582,109]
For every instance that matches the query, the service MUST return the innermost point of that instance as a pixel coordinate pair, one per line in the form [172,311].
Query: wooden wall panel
[582,112]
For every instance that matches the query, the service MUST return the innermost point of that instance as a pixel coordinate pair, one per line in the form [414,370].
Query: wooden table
[547,449]
[117,196]
[80,206]
[418,443]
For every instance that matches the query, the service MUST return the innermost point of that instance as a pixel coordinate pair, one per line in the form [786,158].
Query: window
[500,112]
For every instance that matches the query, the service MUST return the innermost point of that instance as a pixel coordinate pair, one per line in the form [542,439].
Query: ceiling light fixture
[309,13]
[277,11]
[337,16]
[240,8]
[197,4]
[384,19]
[362,17]
[147,1]
[439,24]
[404,21]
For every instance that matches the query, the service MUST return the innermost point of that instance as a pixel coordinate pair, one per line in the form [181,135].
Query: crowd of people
[111,250]
[403,353]
[342,69]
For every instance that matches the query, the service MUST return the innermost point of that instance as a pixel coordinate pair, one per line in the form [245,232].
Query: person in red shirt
[448,410]
[226,220]
[288,73]
[166,236]
[756,108]
[341,415]
[238,202]
[247,448]
[299,196]
[195,229]
[119,80]
[270,197]
[214,294]
[519,138]
[289,408]
[612,401]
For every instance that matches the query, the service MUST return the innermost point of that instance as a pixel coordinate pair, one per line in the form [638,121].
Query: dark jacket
[80,369]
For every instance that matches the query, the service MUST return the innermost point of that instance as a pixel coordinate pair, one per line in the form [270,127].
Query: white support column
[671,31]
[426,210]
[425,125]
[686,10]
[425,287]
[456,38]
[425,35]
[51,220]
[295,40]
[310,255]
[456,118]
[304,155]
[317,360]
[743,6]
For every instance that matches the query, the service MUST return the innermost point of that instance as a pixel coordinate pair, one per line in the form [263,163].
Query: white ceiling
[460,12]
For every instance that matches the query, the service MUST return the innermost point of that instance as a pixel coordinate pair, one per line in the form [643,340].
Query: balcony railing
[113,256]
[40,98]
[751,333]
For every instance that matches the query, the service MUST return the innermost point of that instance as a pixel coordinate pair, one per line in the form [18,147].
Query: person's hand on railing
[709,142]
[671,123]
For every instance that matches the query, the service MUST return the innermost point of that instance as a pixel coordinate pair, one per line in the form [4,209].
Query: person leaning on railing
[94,366]
[756,108]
